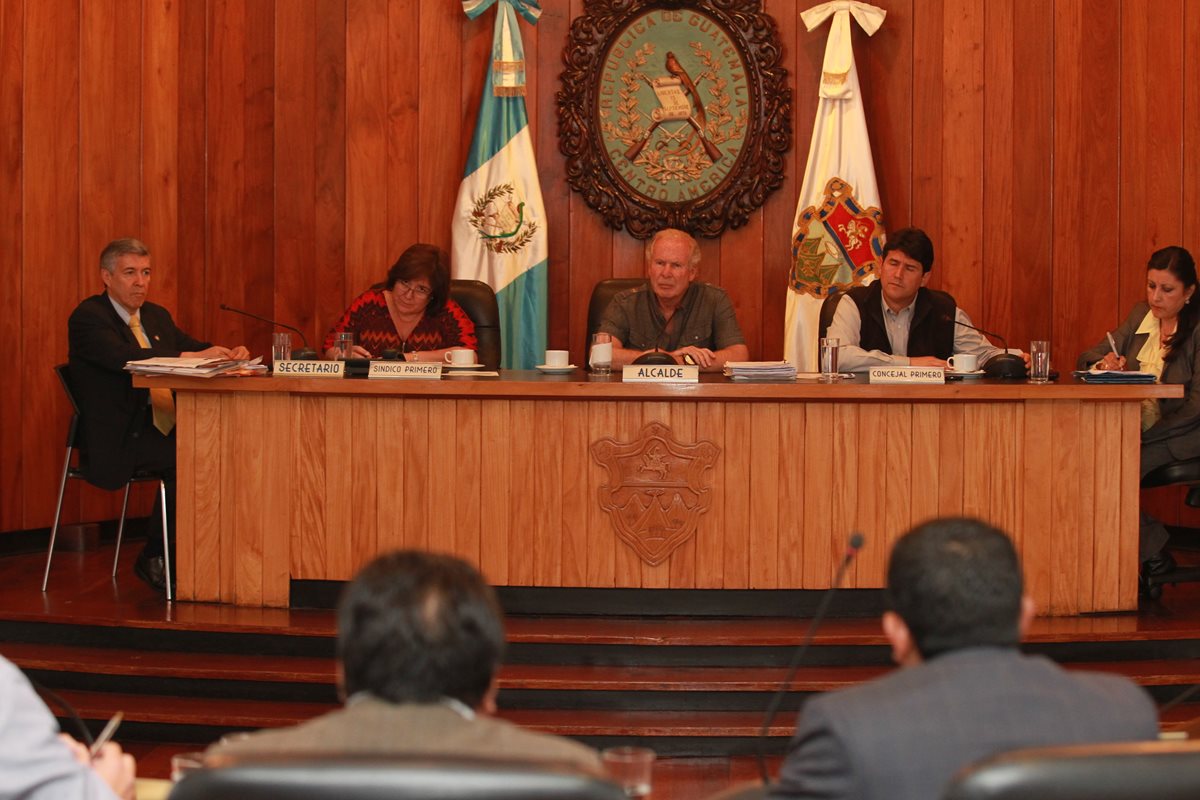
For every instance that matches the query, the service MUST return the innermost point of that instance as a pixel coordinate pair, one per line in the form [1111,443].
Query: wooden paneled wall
[278,154]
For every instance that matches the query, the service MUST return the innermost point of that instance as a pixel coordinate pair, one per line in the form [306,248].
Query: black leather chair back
[479,301]
[1131,771]
[828,309]
[602,295]
[63,371]
[390,779]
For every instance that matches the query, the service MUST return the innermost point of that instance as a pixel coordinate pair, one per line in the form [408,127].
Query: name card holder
[406,369]
[309,369]
[657,373]
[907,375]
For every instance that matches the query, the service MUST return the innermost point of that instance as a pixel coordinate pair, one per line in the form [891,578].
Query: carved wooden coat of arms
[657,489]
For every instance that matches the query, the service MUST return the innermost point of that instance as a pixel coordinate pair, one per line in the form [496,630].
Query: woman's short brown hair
[424,261]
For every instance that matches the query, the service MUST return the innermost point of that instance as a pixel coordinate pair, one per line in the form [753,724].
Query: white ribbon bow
[839,50]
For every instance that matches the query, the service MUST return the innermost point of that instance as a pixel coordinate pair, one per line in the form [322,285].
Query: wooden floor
[89,625]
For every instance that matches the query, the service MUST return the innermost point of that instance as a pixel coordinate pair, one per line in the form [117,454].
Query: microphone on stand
[305,353]
[1004,365]
[852,547]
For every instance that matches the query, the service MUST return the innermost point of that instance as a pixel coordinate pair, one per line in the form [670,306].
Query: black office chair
[1176,473]
[1127,771]
[75,442]
[602,295]
[479,301]
[828,309]
[391,778]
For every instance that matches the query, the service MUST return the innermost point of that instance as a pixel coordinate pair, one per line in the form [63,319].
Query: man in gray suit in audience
[420,638]
[964,690]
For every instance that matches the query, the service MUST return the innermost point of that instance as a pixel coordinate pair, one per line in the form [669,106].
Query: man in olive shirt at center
[693,322]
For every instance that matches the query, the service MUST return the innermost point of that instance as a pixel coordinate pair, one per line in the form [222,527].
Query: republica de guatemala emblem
[499,217]
[674,113]
[837,244]
[672,127]
[657,489]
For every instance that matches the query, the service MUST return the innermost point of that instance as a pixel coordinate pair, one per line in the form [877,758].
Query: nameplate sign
[309,369]
[659,373]
[907,375]
[405,369]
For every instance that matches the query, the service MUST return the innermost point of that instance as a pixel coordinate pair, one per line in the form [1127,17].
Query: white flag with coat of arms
[499,227]
[837,237]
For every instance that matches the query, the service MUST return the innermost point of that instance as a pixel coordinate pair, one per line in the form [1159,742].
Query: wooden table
[715,485]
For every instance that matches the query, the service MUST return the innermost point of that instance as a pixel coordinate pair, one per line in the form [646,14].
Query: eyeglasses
[412,288]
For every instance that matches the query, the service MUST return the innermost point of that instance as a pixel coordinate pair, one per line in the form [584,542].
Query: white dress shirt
[847,328]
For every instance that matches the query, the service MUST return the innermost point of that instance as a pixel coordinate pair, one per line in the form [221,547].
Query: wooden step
[168,664]
[547,677]
[254,714]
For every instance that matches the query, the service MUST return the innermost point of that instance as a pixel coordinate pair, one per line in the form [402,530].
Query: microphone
[854,544]
[1004,365]
[305,353]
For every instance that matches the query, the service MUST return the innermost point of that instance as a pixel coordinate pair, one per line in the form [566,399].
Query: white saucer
[962,374]
[556,370]
[463,366]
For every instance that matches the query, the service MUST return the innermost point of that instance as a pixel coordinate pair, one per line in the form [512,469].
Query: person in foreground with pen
[127,429]
[964,691]
[38,763]
[1160,336]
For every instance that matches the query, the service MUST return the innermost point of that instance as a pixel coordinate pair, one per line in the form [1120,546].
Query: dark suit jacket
[903,737]
[1179,426]
[115,416]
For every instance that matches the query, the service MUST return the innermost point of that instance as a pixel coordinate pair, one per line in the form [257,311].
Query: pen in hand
[1111,342]
[105,735]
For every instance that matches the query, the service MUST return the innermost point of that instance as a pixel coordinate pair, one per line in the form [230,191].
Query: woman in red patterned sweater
[411,312]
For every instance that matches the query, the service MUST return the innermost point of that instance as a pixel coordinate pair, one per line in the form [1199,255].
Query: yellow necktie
[160,399]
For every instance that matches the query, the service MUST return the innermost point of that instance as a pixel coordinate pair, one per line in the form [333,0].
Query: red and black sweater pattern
[374,330]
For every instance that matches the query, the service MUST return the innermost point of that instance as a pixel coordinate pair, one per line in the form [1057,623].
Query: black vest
[932,329]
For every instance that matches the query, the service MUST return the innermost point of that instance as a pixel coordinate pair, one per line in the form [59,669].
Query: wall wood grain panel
[12,392]
[281,155]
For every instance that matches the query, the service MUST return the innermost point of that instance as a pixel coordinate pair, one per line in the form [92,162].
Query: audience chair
[602,295]
[391,778]
[479,301]
[74,442]
[1127,771]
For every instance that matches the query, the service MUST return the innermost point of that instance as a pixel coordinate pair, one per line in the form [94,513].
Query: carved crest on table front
[674,113]
[657,489]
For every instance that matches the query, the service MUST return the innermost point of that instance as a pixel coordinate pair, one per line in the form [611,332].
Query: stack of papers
[1114,376]
[760,371]
[194,367]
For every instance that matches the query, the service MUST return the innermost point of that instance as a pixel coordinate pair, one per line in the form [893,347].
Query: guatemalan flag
[837,237]
[499,227]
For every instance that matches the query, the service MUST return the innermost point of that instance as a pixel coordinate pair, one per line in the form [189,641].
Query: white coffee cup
[460,358]
[963,362]
[558,358]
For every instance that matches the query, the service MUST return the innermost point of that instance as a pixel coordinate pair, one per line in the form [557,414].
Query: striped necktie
[160,399]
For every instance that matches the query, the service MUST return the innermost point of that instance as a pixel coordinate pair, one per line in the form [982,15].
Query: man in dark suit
[126,429]
[964,691]
[420,639]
